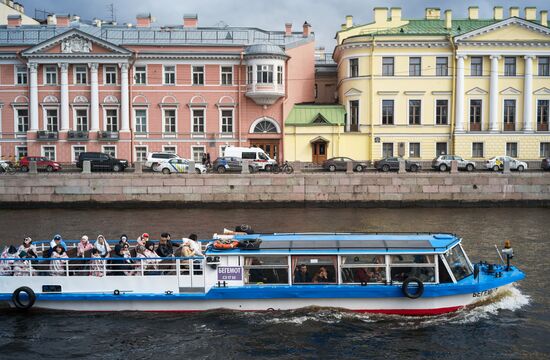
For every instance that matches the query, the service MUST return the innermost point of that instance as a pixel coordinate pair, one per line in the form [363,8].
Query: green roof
[437,27]
[315,114]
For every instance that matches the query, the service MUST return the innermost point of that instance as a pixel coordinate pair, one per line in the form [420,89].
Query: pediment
[353,92]
[510,91]
[319,119]
[476,91]
[509,30]
[542,91]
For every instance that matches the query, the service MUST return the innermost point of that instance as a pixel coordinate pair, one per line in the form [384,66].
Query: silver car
[443,163]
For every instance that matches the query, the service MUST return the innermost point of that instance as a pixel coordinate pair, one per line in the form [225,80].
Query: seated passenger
[120,262]
[83,246]
[57,240]
[321,276]
[6,265]
[22,267]
[141,240]
[165,247]
[123,240]
[190,246]
[149,265]
[27,245]
[195,245]
[150,249]
[58,266]
[103,247]
[301,275]
[96,266]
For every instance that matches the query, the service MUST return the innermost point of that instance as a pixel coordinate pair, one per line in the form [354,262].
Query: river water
[516,326]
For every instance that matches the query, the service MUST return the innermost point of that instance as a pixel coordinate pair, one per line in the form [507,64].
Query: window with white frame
[279,75]
[545,149]
[512,149]
[198,121]
[544,66]
[387,150]
[198,75]
[169,149]
[77,150]
[49,152]
[21,76]
[140,121]
[440,148]
[112,120]
[388,66]
[169,75]
[141,153]
[51,120]
[50,74]
[249,74]
[442,112]
[543,114]
[477,149]
[387,112]
[509,66]
[415,66]
[197,152]
[354,67]
[109,149]
[22,120]
[110,75]
[264,74]
[509,112]
[414,112]
[21,151]
[80,74]
[442,66]
[170,121]
[476,66]
[140,75]
[227,75]
[227,121]
[81,119]
[414,150]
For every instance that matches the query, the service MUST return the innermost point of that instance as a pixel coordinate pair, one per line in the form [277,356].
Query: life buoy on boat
[20,303]
[408,293]
[225,244]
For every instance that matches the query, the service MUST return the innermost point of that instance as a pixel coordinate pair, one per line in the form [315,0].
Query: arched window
[265,126]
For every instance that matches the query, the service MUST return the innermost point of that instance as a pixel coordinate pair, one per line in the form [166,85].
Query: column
[493,95]
[34,96]
[459,108]
[94,101]
[64,96]
[124,99]
[528,95]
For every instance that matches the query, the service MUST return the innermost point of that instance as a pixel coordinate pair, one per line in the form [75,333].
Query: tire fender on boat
[16,298]
[405,288]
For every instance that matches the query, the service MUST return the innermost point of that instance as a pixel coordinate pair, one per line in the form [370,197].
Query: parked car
[497,163]
[392,163]
[232,164]
[177,165]
[102,161]
[341,163]
[154,158]
[545,164]
[254,154]
[443,163]
[42,163]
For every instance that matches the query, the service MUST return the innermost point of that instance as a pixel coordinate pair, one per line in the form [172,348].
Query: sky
[325,16]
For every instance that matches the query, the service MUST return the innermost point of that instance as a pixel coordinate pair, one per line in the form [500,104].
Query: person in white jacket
[103,247]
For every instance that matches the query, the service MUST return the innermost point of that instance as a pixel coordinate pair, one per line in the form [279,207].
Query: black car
[231,164]
[392,163]
[545,165]
[102,161]
[341,163]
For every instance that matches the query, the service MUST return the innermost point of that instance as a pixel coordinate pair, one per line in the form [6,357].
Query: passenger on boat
[322,276]
[58,266]
[120,264]
[301,274]
[6,265]
[22,267]
[150,266]
[103,246]
[27,245]
[57,240]
[83,246]
[150,249]
[193,245]
[141,240]
[165,247]
[96,266]
[123,239]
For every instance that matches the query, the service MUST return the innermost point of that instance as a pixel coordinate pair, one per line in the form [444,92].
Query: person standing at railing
[103,247]
[58,266]
[83,246]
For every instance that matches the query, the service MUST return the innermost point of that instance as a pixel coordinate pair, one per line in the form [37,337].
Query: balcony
[509,126]
[475,126]
[265,94]
[47,135]
[108,135]
[542,126]
[77,135]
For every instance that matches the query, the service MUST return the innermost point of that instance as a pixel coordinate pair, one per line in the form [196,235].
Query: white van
[254,154]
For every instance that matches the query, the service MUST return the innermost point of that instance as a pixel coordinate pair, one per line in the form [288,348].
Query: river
[516,326]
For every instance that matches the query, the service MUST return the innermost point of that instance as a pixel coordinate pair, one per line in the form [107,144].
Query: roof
[264,49]
[307,114]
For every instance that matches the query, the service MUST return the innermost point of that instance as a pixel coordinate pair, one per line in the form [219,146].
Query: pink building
[70,86]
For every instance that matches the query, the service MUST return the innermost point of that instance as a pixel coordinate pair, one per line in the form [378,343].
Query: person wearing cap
[27,246]
[165,247]
[58,240]
[83,246]
[141,240]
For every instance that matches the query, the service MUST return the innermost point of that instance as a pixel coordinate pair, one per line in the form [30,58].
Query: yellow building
[419,88]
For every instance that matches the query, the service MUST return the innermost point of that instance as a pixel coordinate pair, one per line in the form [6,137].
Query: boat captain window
[458,263]
[419,266]
[360,269]
[314,269]
[265,270]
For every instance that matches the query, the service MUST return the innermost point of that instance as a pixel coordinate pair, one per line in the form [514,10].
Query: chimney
[514,11]
[307,29]
[143,20]
[288,29]
[190,20]
[433,13]
[14,21]
[349,21]
[473,13]
[544,18]
[97,22]
[380,15]
[531,13]
[448,19]
[343,27]
[395,14]
[62,20]
[498,13]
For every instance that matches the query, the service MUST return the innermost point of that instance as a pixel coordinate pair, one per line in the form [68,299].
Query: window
[475,115]
[198,75]
[227,121]
[81,120]
[80,75]
[477,149]
[170,121]
[353,67]
[415,66]
[387,112]
[169,75]
[141,121]
[279,75]
[112,120]
[77,150]
[362,269]
[140,75]
[49,152]
[442,112]
[21,151]
[414,150]
[512,149]
[249,74]
[458,263]
[22,120]
[354,115]
[509,66]
[418,266]
[414,112]
[476,66]
[50,72]
[440,148]
[227,75]
[543,114]
[51,120]
[21,75]
[264,74]
[265,127]
[509,114]
[198,121]
[314,269]
[169,149]
[545,149]
[141,153]
[387,66]
[544,66]
[387,150]
[110,75]
[265,270]
[441,66]
[109,149]
[197,152]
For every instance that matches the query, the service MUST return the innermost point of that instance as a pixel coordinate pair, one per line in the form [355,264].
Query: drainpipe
[130,87]
[239,94]
[371,98]
[282,149]
[453,97]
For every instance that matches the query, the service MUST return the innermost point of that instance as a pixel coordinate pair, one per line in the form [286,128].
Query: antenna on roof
[112,10]
[41,14]
[221,24]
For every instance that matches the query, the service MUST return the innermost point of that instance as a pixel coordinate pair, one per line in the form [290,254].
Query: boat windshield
[458,263]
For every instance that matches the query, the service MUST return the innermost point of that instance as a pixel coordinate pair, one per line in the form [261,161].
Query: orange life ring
[225,245]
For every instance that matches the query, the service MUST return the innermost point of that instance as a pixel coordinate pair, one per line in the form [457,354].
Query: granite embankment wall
[340,189]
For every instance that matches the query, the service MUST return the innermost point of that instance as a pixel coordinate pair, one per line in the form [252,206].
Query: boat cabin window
[458,263]
[444,276]
[363,269]
[265,270]
[314,269]
[404,266]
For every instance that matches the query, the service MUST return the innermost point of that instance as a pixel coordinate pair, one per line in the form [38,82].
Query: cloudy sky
[324,15]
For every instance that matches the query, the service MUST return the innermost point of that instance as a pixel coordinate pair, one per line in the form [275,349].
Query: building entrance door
[319,152]
[270,147]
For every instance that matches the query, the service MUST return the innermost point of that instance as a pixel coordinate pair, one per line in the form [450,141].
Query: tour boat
[390,273]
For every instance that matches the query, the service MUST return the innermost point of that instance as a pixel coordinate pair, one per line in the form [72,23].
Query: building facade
[70,86]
